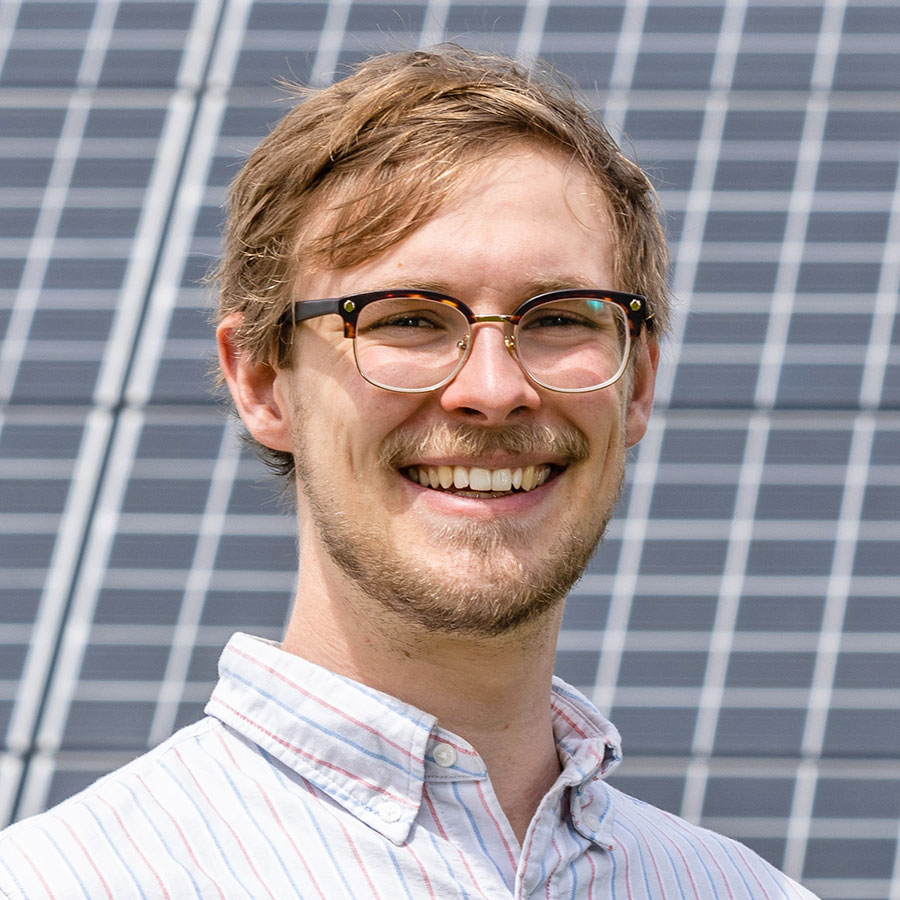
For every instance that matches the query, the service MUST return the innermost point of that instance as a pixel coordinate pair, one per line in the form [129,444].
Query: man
[441,298]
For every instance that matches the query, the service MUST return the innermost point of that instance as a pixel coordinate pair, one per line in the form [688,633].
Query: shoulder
[693,860]
[105,840]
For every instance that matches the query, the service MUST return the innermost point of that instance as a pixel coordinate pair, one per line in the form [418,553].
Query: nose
[491,387]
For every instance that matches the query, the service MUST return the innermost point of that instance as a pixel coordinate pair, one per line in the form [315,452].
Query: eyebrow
[531,287]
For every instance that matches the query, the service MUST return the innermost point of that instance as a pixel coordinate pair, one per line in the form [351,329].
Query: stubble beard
[492,590]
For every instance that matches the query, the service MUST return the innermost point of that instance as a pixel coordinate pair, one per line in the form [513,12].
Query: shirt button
[591,822]
[390,812]
[444,755]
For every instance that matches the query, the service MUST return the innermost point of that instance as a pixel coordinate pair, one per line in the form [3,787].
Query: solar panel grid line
[96,43]
[172,225]
[821,827]
[824,355]
[434,23]
[15,634]
[728,45]
[531,35]
[628,45]
[839,582]
[871,643]
[624,60]
[800,204]
[104,691]
[800,818]
[151,232]
[894,885]
[228,44]
[690,243]
[184,637]
[144,523]
[107,633]
[791,255]
[221,48]
[331,40]
[855,888]
[10,773]
[51,613]
[880,342]
[696,779]
[798,251]
[625,55]
[567,43]
[102,532]
[9,12]
[70,248]
[165,291]
[38,684]
[34,785]
[887,699]
[37,260]
[615,629]
[201,38]
[740,533]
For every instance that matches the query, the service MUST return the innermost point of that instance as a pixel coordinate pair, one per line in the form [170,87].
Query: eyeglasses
[411,341]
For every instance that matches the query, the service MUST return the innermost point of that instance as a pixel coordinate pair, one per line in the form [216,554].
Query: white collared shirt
[303,783]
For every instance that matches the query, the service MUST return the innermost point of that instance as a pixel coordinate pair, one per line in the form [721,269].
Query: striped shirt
[302,783]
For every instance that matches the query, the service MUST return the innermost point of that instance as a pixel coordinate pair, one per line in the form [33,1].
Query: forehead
[521,215]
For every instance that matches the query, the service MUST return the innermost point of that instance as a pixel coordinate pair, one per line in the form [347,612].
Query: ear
[253,389]
[643,381]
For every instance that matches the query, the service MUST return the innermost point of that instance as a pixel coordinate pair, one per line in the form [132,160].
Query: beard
[493,589]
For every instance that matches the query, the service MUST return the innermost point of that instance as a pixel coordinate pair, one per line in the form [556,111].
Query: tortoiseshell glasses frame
[433,313]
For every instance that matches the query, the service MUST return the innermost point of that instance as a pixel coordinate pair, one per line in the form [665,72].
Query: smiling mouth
[473,481]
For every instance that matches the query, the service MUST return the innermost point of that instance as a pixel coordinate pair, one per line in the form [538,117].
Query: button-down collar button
[444,755]
[390,812]
[591,822]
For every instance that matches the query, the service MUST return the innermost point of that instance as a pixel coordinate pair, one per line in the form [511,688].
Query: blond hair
[357,166]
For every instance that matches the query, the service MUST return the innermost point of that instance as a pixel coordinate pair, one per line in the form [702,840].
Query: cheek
[344,422]
[601,416]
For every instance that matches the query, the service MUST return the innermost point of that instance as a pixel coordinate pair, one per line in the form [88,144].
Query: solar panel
[740,622]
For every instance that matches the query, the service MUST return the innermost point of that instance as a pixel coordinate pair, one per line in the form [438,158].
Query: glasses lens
[574,344]
[409,343]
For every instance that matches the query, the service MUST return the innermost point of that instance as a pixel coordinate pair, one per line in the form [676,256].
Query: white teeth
[478,479]
[501,480]
[528,478]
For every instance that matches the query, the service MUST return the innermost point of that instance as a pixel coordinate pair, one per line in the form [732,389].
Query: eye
[408,320]
[557,318]
[413,319]
[399,319]
[578,315]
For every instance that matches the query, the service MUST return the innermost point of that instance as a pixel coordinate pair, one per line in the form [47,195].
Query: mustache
[406,445]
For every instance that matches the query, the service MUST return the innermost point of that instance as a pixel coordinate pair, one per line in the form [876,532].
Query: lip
[489,461]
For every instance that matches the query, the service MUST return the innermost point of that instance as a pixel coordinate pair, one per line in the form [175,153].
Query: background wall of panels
[741,622]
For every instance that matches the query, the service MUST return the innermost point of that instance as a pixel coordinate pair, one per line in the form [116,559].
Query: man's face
[464,560]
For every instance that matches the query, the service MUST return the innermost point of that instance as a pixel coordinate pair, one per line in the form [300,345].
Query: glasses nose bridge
[509,323]
[497,317]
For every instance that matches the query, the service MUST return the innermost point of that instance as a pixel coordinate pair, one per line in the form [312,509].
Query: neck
[493,691]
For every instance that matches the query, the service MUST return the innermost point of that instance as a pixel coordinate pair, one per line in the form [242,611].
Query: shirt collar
[589,749]
[370,752]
